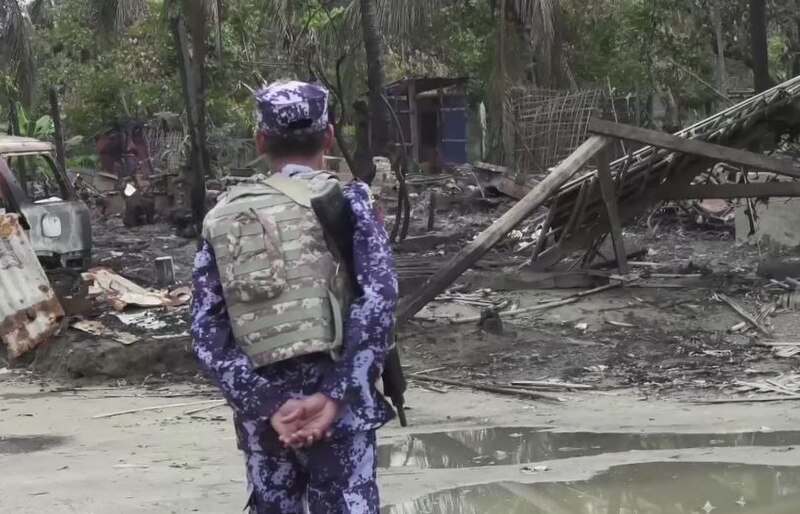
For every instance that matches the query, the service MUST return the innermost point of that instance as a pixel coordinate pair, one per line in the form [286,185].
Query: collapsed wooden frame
[601,202]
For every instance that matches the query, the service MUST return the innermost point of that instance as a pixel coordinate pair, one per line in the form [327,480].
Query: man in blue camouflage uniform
[307,424]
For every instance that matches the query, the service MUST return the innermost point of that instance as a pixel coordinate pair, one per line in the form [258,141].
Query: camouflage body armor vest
[284,291]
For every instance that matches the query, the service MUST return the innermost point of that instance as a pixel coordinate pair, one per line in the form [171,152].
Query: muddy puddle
[505,446]
[27,444]
[653,488]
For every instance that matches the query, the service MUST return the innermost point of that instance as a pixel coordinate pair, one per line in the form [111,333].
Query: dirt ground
[61,460]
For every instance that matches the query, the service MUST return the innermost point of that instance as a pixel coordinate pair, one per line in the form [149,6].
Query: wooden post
[432,212]
[507,133]
[413,121]
[13,125]
[55,113]
[191,68]
[502,226]
[165,271]
[542,241]
[577,210]
[13,119]
[759,45]
[609,193]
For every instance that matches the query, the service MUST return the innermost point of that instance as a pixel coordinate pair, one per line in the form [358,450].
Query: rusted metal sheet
[29,310]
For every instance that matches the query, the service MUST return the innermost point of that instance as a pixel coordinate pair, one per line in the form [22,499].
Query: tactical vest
[285,294]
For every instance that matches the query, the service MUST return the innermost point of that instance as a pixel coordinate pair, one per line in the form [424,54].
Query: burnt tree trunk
[55,114]
[364,166]
[191,67]
[758,41]
[558,64]
[719,41]
[376,78]
[791,24]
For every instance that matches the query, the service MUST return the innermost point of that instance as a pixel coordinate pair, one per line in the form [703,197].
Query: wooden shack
[432,112]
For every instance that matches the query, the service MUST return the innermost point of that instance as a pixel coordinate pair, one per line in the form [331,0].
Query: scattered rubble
[667,304]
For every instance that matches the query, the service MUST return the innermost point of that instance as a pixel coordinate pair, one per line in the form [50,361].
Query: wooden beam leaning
[717,153]
[609,193]
[502,226]
[752,190]
[542,241]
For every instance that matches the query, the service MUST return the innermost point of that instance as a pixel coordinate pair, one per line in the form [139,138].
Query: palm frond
[537,16]
[281,12]
[397,19]
[409,17]
[16,47]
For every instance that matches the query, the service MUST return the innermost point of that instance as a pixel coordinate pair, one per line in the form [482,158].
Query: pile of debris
[147,308]
[154,314]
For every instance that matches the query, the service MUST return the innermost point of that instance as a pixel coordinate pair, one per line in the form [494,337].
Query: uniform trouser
[331,477]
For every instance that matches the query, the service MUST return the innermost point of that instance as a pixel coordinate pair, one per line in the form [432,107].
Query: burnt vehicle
[34,186]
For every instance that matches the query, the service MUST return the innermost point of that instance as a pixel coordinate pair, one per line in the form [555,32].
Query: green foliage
[779,57]
[639,45]
[636,45]
[37,128]
[102,80]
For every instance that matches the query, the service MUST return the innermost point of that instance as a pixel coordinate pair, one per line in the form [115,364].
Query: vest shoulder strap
[240,191]
[300,190]
[297,190]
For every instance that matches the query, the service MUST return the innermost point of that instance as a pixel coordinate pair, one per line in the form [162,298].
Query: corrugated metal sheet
[29,310]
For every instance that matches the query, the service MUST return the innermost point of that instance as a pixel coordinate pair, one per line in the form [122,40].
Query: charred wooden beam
[609,193]
[542,240]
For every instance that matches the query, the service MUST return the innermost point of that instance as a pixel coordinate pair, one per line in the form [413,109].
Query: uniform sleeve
[249,394]
[371,317]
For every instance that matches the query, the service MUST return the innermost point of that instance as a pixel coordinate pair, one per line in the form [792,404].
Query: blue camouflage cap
[291,108]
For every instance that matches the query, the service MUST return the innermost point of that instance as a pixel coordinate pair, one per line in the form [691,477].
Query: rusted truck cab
[33,185]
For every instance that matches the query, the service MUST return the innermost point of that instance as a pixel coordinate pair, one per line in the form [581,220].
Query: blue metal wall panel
[453,115]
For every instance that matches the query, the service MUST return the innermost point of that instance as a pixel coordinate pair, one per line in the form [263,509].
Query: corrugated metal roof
[29,310]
